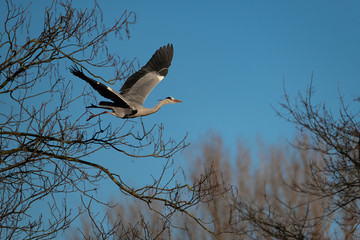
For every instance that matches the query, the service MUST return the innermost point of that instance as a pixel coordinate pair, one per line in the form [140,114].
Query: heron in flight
[129,102]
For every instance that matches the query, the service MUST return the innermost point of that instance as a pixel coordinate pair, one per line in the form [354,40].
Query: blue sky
[232,58]
[231,61]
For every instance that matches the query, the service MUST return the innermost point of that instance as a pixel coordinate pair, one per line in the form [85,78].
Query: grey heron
[129,102]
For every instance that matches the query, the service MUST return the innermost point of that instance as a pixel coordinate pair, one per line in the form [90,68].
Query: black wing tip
[75,70]
[168,48]
[161,59]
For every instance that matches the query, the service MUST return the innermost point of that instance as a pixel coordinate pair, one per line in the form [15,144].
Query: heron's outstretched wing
[104,90]
[138,86]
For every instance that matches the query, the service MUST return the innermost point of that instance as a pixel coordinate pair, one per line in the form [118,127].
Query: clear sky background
[232,58]
[231,61]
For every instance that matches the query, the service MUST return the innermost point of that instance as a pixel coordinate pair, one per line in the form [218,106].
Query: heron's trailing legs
[94,115]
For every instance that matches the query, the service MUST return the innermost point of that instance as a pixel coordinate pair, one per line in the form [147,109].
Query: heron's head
[171,100]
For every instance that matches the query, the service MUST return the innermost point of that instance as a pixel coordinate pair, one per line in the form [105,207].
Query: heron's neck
[147,111]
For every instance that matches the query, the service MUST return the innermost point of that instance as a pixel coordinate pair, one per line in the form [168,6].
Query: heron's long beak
[175,100]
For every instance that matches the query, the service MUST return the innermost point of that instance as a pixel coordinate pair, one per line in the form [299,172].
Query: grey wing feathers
[158,65]
[102,89]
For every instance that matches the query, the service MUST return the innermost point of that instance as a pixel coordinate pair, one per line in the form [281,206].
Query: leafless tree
[46,149]
[306,192]
[320,201]
[260,204]
[239,200]
[336,136]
